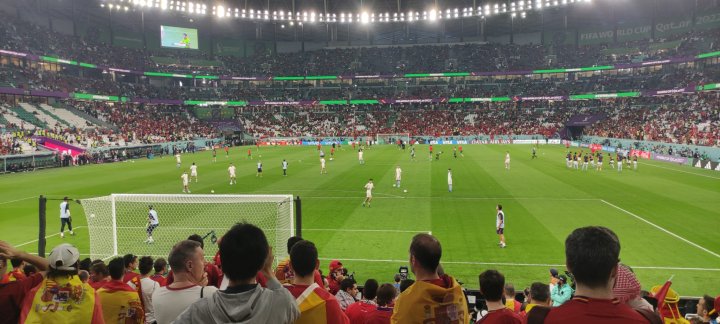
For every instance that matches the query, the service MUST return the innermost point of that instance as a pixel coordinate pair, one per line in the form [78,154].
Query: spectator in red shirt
[160,267]
[336,276]
[383,312]
[510,301]
[592,256]
[131,264]
[539,295]
[492,285]
[13,293]
[357,312]
[99,275]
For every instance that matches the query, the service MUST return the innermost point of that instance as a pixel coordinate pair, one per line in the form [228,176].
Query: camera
[403,272]
[348,276]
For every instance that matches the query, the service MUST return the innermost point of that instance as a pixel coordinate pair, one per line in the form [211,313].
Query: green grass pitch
[667,216]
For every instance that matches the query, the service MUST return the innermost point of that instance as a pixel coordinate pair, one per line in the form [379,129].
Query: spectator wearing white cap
[62,297]
[12,293]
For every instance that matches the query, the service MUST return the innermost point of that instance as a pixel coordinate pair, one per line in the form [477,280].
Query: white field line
[51,235]
[16,200]
[683,171]
[459,198]
[510,264]
[662,229]
[304,229]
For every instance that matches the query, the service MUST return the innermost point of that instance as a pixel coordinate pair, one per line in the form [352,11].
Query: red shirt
[501,316]
[358,312]
[129,276]
[381,315]
[334,285]
[159,279]
[12,295]
[591,311]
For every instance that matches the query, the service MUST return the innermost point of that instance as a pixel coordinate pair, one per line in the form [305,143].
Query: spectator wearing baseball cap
[62,297]
[336,276]
[561,292]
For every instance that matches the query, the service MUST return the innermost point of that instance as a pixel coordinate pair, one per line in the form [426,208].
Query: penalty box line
[510,264]
[661,228]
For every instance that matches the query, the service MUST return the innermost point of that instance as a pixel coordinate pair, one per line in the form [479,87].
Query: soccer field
[667,216]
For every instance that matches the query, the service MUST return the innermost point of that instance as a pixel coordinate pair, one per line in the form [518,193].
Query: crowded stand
[241,283]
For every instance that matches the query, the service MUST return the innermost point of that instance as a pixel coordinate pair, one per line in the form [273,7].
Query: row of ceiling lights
[220,11]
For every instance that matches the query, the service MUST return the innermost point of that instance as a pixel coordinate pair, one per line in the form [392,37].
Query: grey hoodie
[274,305]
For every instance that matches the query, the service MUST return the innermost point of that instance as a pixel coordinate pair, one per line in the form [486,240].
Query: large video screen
[178,37]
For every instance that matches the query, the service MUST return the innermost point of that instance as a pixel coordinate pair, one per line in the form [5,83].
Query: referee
[65,217]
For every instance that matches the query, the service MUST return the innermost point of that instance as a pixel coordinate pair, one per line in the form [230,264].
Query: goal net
[117,223]
[392,138]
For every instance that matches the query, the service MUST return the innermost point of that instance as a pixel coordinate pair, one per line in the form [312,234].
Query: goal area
[117,223]
[392,138]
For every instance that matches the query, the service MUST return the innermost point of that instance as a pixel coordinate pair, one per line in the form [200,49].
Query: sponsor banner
[449,142]
[323,142]
[13,53]
[669,158]
[283,103]
[540,98]
[575,144]
[596,147]
[640,154]
[517,141]
[633,33]
[689,89]
[585,120]
[610,149]
[244,78]
[554,141]
[501,73]
[503,141]
[404,101]
[706,164]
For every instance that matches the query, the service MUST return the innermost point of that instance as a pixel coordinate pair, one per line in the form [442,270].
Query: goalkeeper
[152,224]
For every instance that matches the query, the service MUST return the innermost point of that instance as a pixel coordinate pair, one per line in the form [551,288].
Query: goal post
[392,138]
[117,223]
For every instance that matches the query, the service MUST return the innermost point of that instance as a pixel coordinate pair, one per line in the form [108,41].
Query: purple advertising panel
[669,158]
[501,73]
[584,120]
[274,103]
[56,94]
[540,98]
[689,89]
[16,91]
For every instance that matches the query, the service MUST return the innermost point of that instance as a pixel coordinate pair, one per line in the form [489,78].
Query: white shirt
[153,217]
[184,178]
[193,169]
[500,221]
[285,164]
[322,163]
[369,187]
[259,165]
[177,158]
[231,169]
[398,173]
[360,154]
[64,210]
[149,286]
[168,303]
[507,157]
[449,178]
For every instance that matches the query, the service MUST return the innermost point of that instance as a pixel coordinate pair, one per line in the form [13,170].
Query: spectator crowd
[241,286]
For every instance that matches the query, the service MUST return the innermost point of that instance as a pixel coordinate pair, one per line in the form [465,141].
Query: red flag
[660,295]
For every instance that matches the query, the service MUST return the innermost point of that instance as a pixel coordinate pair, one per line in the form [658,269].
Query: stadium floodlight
[364,17]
